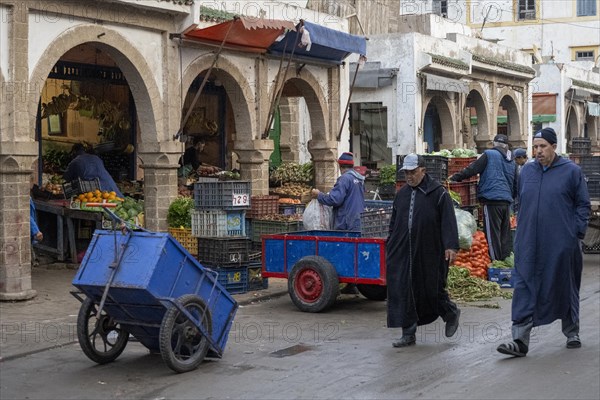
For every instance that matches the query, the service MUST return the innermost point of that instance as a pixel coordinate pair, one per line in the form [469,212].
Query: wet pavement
[275,351]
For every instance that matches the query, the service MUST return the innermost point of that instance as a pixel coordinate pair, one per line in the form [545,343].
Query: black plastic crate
[78,186]
[222,195]
[376,223]
[590,165]
[437,167]
[372,205]
[581,146]
[593,184]
[223,251]
[255,279]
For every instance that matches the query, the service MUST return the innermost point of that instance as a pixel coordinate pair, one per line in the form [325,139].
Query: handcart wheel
[313,284]
[182,345]
[101,339]
[373,292]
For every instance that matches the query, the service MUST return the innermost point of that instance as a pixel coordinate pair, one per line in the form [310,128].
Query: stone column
[254,163]
[160,164]
[324,158]
[15,241]
[289,145]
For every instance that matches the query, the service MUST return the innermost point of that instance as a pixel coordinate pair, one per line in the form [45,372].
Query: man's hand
[39,236]
[454,178]
[314,193]
[450,255]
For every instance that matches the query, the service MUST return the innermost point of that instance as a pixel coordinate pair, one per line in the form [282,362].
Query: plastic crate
[437,167]
[78,186]
[467,192]
[233,279]
[581,146]
[376,223]
[593,185]
[223,251]
[265,227]
[255,279]
[263,205]
[457,164]
[371,205]
[185,238]
[218,223]
[502,276]
[291,209]
[222,195]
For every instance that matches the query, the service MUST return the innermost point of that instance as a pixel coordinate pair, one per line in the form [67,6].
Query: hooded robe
[554,208]
[422,227]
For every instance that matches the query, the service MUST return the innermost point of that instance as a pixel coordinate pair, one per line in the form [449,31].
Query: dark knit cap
[500,138]
[346,158]
[548,134]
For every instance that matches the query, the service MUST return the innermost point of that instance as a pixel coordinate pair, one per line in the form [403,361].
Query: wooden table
[65,246]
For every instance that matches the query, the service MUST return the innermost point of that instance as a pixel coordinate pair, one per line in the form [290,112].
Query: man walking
[496,191]
[552,220]
[423,241]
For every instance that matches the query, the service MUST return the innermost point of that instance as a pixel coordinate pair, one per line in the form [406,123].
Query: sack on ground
[317,217]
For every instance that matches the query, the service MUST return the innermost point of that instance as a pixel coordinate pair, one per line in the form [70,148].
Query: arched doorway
[508,119]
[572,126]
[478,119]
[438,125]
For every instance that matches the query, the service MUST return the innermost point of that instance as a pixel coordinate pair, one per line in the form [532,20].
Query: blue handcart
[145,284]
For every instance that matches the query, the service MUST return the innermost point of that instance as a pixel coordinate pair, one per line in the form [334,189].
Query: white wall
[4,45]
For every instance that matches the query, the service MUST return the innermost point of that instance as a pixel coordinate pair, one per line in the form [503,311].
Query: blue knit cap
[520,153]
[346,158]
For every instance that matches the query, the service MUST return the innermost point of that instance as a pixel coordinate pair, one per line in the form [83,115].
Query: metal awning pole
[199,92]
[279,90]
[339,135]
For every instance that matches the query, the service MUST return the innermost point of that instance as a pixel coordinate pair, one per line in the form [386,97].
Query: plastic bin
[223,251]
[218,223]
[502,276]
[78,186]
[226,195]
[581,146]
[233,279]
[265,227]
[185,238]
[437,167]
[376,223]
[263,205]
[291,209]
[467,192]
[371,205]
[255,279]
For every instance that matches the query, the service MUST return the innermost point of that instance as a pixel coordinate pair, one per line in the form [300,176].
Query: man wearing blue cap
[422,243]
[553,217]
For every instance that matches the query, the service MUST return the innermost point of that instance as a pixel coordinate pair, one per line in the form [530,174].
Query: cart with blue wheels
[145,284]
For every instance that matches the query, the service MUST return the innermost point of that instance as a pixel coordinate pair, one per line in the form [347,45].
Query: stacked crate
[375,220]
[270,216]
[219,224]
[467,189]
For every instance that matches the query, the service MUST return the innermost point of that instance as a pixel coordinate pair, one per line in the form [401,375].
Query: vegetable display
[387,175]
[179,214]
[462,286]
[508,262]
[458,153]
[477,258]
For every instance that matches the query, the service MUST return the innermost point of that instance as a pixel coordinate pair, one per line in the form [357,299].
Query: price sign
[241,199]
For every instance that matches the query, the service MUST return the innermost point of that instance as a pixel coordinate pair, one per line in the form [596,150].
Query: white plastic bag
[467,226]
[317,217]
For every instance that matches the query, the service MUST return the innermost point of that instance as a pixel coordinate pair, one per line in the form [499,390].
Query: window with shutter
[526,10]
[586,8]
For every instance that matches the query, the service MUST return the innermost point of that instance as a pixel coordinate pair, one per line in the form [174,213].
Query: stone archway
[509,104]
[444,135]
[130,61]
[323,145]
[475,100]
[571,125]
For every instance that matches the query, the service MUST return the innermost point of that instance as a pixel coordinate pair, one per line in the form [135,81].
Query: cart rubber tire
[111,348]
[182,345]
[313,284]
[373,292]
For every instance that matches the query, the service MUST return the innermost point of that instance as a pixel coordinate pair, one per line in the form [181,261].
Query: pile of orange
[97,196]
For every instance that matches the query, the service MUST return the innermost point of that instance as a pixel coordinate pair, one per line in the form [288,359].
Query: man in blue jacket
[496,191]
[89,167]
[552,220]
[347,199]
[347,196]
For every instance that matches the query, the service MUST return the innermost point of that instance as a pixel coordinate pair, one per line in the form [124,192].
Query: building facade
[145,42]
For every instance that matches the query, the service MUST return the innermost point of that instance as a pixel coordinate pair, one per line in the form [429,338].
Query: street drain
[291,351]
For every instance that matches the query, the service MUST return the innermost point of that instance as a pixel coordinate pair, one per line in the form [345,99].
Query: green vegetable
[180,212]
[387,175]
[464,287]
